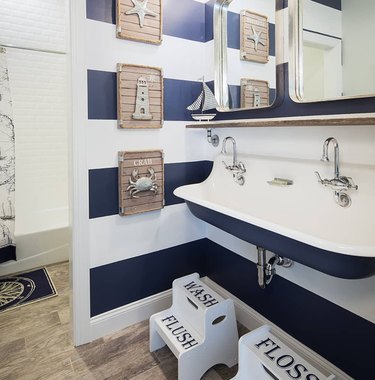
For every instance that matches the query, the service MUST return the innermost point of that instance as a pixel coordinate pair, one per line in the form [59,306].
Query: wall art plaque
[254,93]
[254,33]
[140,20]
[139,96]
[141,181]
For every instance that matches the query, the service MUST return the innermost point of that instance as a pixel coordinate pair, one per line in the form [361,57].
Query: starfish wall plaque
[140,20]
[254,37]
[141,10]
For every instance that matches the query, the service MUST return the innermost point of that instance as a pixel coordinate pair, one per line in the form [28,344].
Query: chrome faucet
[237,167]
[337,156]
[340,184]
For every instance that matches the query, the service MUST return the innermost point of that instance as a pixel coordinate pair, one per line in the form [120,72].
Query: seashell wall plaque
[139,96]
[254,34]
[141,181]
[254,93]
[139,20]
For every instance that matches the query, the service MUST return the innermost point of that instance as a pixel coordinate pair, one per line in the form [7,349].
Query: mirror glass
[245,63]
[337,51]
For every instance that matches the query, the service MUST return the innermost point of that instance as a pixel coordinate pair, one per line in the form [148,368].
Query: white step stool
[264,357]
[200,328]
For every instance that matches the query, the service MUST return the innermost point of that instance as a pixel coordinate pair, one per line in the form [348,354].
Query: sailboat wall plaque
[205,101]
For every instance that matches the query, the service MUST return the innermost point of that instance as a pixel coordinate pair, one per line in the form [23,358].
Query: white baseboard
[135,312]
[122,317]
[251,319]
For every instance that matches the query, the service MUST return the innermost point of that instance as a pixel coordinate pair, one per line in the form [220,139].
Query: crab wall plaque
[141,181]
[139,184]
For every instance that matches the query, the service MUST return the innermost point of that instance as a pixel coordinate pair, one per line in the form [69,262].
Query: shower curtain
[7,166]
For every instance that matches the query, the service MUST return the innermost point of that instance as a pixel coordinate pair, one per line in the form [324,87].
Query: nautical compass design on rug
[14,290]
[141,10]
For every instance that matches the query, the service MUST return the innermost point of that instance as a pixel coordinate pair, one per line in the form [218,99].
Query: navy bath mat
[24,288]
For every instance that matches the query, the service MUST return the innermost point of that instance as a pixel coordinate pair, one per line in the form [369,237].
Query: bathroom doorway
[34,55]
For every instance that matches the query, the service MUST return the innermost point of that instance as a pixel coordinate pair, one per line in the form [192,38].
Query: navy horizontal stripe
[335,333]
[101,10]
[185,20]
[105,181]
[127,281]
[281,4]
[178,94]
[102,96]
[336,4]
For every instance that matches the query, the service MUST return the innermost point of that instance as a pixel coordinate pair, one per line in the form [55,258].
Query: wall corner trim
[125,316]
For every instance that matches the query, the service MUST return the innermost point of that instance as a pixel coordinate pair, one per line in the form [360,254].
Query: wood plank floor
[35,343]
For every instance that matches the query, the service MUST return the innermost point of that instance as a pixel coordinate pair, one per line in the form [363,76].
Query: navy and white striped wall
[137,256]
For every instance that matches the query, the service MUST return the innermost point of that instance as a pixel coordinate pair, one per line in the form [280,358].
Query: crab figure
[138,185]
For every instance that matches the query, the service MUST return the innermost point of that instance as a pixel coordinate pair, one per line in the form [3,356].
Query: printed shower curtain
[7,166]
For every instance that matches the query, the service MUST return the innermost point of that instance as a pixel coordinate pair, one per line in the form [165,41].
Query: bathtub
[42,238]
[301,221]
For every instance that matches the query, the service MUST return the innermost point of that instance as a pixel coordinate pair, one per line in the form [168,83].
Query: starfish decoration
[140,9]
[256,38]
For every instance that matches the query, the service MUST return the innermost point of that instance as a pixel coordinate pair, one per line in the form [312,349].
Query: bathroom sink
[301,221]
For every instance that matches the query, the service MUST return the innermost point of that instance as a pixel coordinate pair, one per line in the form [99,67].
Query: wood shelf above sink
[296,121]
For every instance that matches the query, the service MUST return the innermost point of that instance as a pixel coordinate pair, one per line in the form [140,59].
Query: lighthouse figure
[142,103]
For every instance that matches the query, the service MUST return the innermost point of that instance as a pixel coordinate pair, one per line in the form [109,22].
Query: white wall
[358,46]
[38,84]
[125,237]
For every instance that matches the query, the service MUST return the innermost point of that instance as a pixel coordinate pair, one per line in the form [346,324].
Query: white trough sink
[302,221]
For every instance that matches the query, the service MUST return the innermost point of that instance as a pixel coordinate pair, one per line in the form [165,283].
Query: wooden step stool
[200,328]
[264,357]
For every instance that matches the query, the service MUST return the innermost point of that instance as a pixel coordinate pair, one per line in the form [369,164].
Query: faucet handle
[241,167]
[319,177]
[349,183]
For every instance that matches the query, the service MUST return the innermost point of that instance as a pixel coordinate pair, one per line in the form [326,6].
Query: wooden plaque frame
[127,91]
[128,26]
[249,20]
[147,164]
[248,89]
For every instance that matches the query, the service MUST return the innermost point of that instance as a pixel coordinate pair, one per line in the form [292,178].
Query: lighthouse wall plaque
[140,96]
[139,20]
[254,36]
[141,181]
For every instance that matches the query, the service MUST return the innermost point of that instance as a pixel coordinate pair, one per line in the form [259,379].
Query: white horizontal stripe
[116,238]
[179,58]
[322,19]
[178,143]
[238,69]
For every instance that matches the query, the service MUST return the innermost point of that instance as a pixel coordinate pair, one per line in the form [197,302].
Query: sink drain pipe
[267,269]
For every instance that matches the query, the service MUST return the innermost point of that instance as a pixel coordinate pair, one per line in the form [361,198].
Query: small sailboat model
[205,101]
